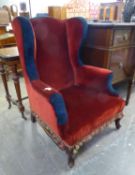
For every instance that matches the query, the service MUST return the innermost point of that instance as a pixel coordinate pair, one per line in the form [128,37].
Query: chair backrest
[55,46]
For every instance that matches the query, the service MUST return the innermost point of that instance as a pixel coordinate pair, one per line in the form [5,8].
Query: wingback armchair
[71,100]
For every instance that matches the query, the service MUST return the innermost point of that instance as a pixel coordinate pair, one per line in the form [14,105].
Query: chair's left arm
[54,97]
[95,77]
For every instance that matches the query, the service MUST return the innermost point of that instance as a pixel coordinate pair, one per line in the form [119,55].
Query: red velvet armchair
[71,100]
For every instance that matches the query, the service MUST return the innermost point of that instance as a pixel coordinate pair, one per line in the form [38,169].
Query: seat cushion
[88,109]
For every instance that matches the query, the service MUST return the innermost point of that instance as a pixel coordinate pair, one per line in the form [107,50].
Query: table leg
[17,88]
[130,84]
[3,76]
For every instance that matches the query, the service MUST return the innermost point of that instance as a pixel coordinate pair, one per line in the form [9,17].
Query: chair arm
[95,77]
[43,88]
[54,97]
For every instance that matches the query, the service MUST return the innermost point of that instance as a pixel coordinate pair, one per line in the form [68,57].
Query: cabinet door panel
[121,37]
[119,64]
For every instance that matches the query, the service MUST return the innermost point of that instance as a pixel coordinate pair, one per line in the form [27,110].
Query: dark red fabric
[88,109]
[93,77]
[38,102]
[74,36]
[43,88]
[52,52]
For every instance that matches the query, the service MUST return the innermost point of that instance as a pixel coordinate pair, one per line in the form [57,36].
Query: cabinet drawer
[121,37]
[118,65]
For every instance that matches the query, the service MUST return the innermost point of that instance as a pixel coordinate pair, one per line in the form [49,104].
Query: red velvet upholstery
[86,93]
[88,109]
[52,49]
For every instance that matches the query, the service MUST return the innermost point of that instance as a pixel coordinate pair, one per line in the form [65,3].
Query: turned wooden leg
[3,76]
[18,91]
[33,118]
[117,123]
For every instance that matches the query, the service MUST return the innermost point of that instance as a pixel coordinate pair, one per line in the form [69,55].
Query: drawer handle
[122,38]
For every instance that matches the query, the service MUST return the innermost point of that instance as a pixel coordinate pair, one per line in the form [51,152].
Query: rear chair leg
[33,118]
[117,123]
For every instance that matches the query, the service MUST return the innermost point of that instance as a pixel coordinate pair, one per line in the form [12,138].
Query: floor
[26,150]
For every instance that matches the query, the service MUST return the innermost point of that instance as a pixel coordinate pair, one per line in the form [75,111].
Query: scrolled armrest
[43,88]
[95,77]
[55,98]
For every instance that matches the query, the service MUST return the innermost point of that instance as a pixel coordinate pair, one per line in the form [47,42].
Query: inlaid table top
[9,54]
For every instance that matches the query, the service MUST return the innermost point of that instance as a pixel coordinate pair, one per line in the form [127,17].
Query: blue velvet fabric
[28,42]
[110,87]
[85,30]
[58,104]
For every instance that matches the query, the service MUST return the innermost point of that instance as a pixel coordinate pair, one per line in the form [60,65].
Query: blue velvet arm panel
[58,104]
[28,44]
[84,36]
[110,88]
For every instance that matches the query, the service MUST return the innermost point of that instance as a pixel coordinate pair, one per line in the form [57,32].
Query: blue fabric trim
[110,88]
[28,42]
[85,31]
[58,104]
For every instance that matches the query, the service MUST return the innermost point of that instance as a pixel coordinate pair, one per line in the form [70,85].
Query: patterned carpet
[26,150]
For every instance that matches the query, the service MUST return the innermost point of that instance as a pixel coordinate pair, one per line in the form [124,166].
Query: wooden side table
[2,28]
[7,39]
[10,57]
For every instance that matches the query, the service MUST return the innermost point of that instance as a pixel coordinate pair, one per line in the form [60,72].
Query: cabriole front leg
[72,153]
[117,123]
[71,158]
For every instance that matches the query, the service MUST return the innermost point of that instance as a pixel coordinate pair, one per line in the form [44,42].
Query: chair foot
[33,118]
[72,154]
[23,116]
[117,123]
[71,159]
[9,101]
[9,106]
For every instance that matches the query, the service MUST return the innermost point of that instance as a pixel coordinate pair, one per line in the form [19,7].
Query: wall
[88,9]
[8,2]
[36,5]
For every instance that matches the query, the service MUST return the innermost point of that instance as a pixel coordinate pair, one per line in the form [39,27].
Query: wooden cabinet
[112,46]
